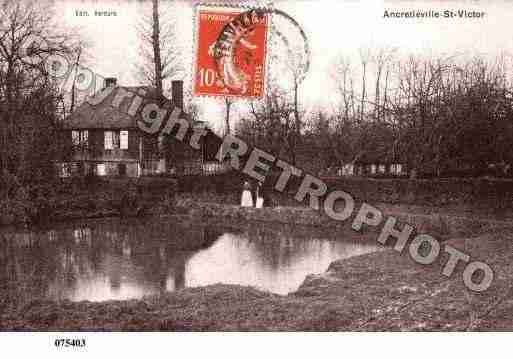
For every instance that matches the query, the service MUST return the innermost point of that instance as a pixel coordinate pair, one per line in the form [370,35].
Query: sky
[333,28]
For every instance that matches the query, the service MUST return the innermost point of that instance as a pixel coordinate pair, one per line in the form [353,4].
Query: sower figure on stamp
[247,198]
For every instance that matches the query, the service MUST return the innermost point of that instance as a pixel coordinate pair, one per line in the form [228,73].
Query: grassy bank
[485,194]
[440,222]
[378,291]
[94,198]
[100,197]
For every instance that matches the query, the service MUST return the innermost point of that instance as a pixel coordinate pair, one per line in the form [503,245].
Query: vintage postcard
[256,166]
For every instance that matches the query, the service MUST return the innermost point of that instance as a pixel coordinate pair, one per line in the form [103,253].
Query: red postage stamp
[230,53]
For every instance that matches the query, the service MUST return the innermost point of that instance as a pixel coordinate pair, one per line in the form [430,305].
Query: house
[373,169]
[104,140]
[373,164]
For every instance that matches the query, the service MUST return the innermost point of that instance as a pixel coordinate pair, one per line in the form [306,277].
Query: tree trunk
[297,122]
[362,102]
[227,117]
[73,86]
[156,50]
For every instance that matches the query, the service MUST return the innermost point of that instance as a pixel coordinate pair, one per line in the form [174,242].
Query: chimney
[110,81]
[177,93]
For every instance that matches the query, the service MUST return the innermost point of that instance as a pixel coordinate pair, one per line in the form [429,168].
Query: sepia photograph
[285,166]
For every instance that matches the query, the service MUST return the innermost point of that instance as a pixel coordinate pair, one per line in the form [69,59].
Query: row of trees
[439,116]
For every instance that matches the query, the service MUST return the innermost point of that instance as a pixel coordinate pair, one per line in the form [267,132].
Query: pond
[107,259]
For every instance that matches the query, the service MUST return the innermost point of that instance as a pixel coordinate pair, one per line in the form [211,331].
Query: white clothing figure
[259,199]
[247,199]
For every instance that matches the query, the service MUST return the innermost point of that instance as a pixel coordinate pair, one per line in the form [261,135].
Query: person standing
[259,203]
[247,199]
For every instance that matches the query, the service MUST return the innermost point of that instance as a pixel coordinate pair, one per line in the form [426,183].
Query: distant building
[373,164]
[104,140]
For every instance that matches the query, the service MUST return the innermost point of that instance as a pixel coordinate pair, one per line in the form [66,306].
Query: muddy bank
[378,291]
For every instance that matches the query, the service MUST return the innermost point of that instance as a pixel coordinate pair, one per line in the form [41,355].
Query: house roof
[105,116]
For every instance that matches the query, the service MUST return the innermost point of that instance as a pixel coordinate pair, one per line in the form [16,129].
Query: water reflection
[116,259]
[276,262]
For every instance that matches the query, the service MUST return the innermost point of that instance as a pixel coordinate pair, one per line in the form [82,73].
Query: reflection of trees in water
[150,254]
[54,262]
[281,246]
[176,244]
[275,249]
[27,266]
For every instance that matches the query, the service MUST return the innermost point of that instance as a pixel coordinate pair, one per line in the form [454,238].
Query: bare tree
[342,73]
[29,98]
[24,72]
[349,145]
[74,83]
[160,54]
[228,105]
[295,66]
[365,56]
[272,126]
[79,55]
[420,81]
[381,59]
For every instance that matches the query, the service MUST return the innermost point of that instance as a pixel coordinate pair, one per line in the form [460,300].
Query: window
[101,170]
[79,138]
[64,170]
[108,140]
[123,140]
[75,138]
[396,168]
[116,139]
